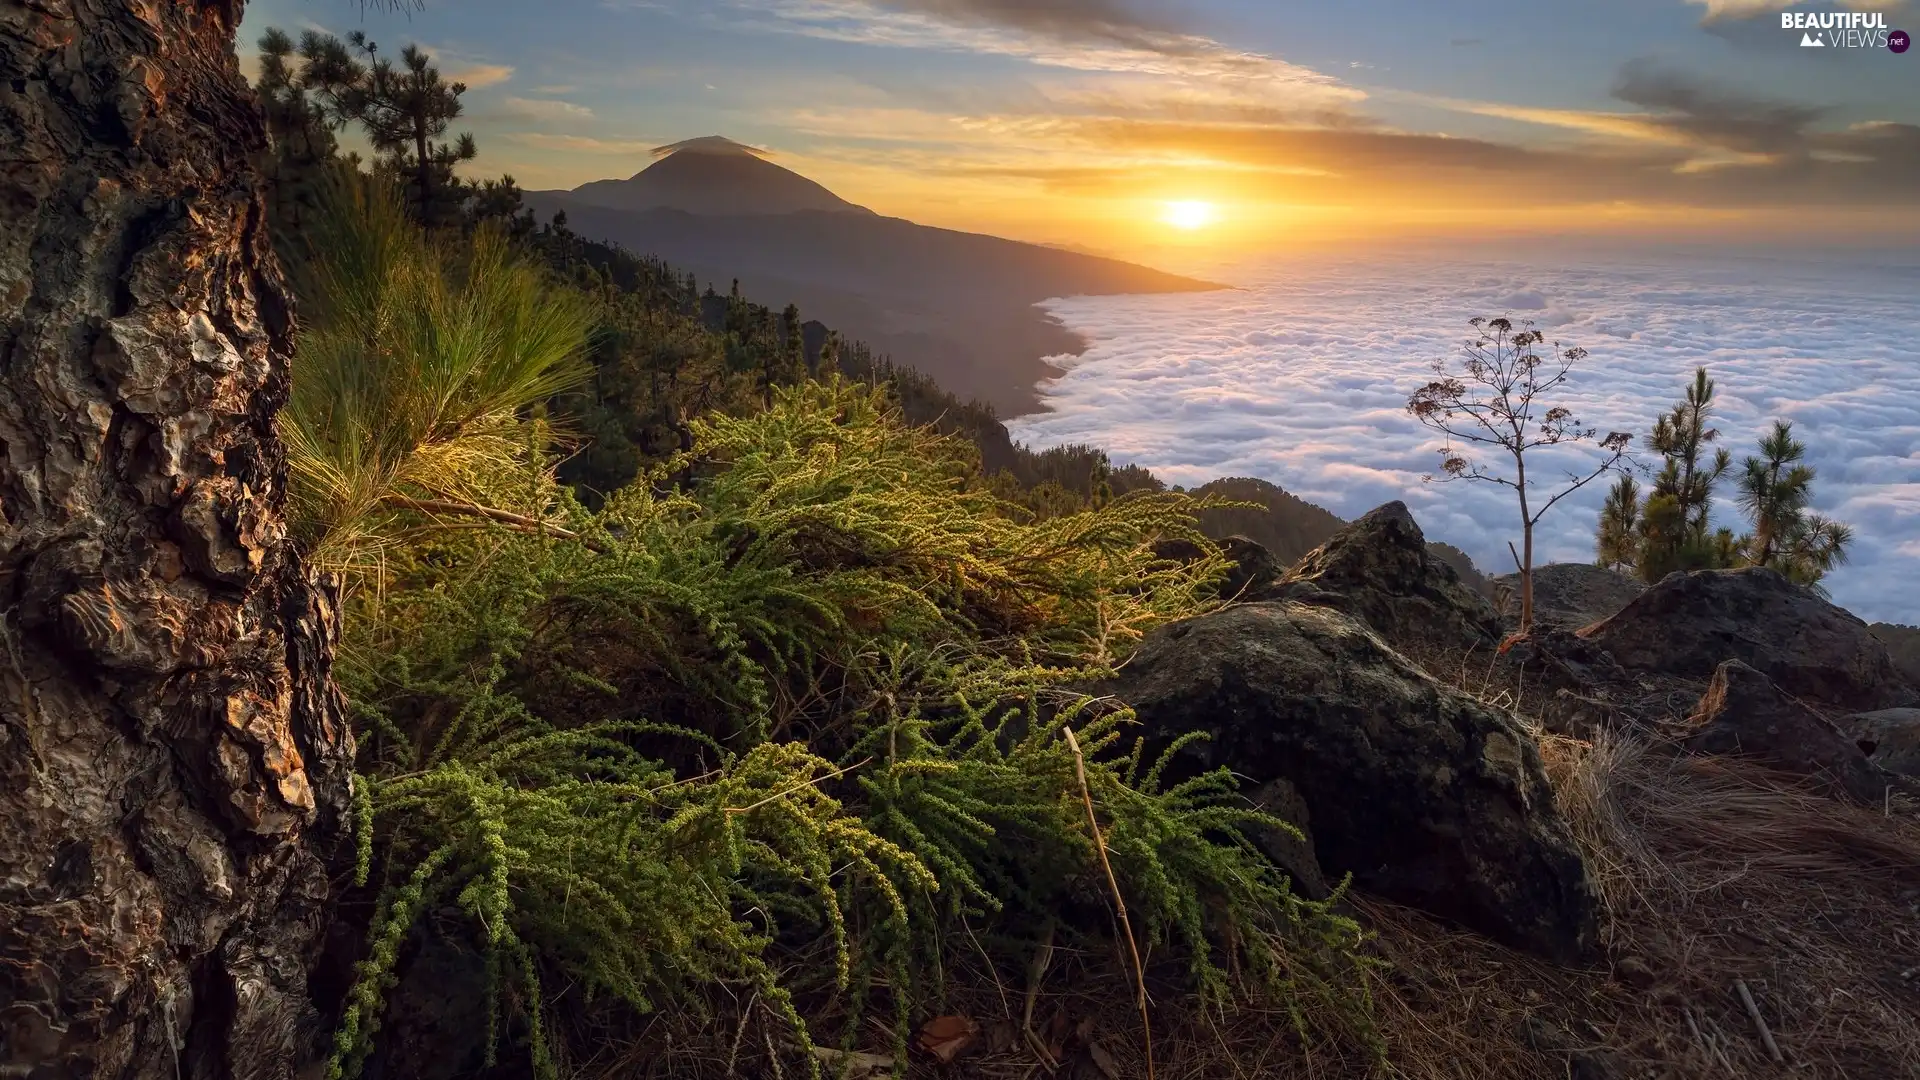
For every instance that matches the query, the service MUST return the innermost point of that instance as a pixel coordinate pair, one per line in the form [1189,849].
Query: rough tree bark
[174,765]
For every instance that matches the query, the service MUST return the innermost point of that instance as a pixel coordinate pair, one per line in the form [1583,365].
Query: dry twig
[1119,902]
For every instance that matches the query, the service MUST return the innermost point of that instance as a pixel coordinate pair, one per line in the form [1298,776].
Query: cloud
[582,144]
[1718,10]
[1066,20]
[1060,34]
[544,109]
[475,74]
[1302,378]
[1711,115]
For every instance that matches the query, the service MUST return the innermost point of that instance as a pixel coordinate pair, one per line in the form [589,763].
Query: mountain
[713,176]
[957,306]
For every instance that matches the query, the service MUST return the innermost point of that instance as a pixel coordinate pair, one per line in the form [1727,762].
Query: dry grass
[1714,870]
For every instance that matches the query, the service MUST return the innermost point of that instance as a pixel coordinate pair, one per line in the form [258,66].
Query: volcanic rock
[1425,794]
[1379,571]
[1690,622]
[1744,712]
[1890,738]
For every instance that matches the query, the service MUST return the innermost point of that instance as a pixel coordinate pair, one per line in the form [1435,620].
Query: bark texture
[174,763]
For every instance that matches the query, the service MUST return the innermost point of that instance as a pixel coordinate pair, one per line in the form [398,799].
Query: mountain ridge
[710,175]
[961,305]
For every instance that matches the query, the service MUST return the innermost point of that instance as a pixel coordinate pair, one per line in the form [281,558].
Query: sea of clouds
[1301,376]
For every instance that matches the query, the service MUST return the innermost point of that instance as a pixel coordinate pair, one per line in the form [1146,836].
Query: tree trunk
[174,762]
[1526,548]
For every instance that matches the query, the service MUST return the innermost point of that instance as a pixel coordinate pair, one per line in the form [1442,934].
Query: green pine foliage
[420,369]
[1671,527]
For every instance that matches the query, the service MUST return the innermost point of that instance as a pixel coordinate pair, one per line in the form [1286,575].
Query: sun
[1188,214]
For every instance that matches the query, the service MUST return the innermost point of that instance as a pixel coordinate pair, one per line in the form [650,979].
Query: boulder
[1690,622]
[1291,851]
[1254,567]
[1889,737]
[1572,595]
[1744,712]
[1380,571]
[1423,793]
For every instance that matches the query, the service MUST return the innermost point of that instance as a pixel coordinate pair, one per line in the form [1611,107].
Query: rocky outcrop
[1290,850]
[1251,568]
[1423,793]
[1690,622]
[1889,737]
[1254,568]
[1379,571]
[1743,712]
[1572,595]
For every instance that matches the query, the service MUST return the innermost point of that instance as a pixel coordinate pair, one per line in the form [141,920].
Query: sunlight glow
[1189,214]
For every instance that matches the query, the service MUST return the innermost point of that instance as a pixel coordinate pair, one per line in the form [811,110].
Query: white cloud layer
[1302,378]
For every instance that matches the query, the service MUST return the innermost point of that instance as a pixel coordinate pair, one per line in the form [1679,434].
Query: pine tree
[793,353]
[299,131]
[1681,436]
[405,109]
[1776,491]
[1618,545]
[1674,524]
[151,719]
[830,354]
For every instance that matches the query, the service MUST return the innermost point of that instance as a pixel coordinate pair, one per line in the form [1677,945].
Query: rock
[1744,712]
[1572,595]
[1575,659]
[1690,622]
[1423,793]
[1379,571]
[1903,644]
[1890,738]
[1289,852]
[1254,567]
[435,1015]
[1634,971]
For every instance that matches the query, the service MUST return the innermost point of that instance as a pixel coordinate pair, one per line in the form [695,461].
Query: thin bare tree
[1496,401]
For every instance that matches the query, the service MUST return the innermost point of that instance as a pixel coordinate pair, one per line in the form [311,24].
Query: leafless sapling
[1495,400]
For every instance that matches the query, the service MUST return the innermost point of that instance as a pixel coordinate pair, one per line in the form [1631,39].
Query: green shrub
[821,689]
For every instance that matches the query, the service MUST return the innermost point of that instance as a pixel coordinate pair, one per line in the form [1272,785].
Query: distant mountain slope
[883,258]
[957,306]
[712,175]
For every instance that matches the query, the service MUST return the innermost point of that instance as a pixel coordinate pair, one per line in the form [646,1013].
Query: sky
[1079,121]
